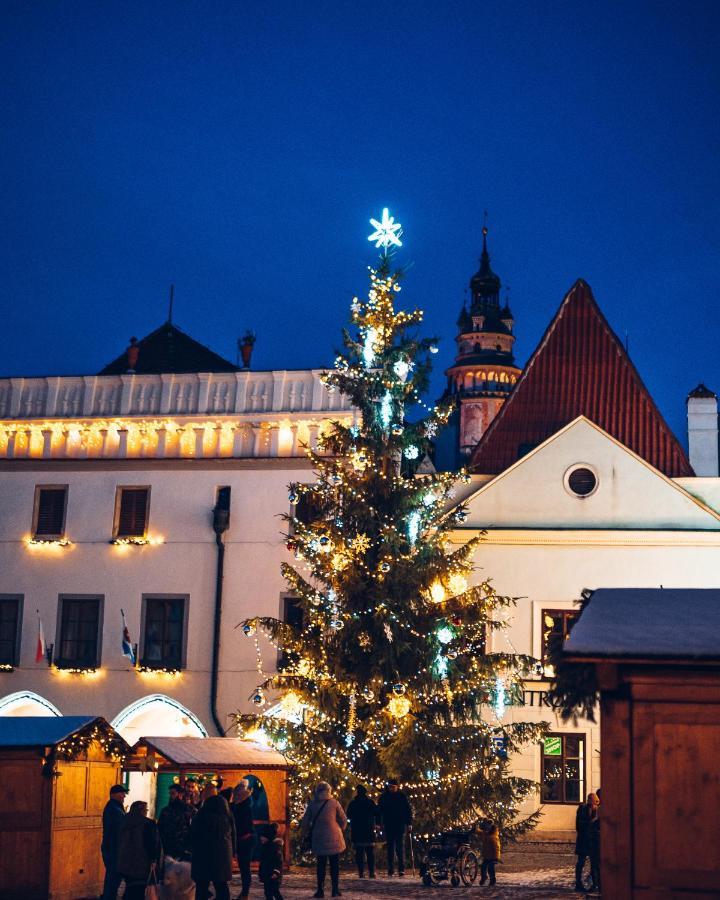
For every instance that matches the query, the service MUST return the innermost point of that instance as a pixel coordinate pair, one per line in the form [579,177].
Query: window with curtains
[49,514]
[163,644]
[78,644]
[131,512]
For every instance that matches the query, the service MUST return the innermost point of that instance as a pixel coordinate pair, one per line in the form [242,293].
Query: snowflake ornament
[387,231]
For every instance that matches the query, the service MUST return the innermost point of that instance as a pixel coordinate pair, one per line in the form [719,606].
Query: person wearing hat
[242,811]
[112,819]
[271,861]
[397,817]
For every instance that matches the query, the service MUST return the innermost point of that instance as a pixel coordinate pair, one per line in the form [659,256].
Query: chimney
[245,347]
[702,413]
[133,351]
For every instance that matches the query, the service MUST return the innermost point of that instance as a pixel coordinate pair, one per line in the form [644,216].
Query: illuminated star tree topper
[387,231]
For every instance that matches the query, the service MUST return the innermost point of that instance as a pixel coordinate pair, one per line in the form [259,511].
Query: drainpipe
[220,523]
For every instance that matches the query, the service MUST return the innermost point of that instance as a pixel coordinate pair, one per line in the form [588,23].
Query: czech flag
[40,648]
[127,647]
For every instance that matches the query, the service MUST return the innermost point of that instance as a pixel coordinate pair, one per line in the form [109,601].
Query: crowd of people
[201,832]
[197,835]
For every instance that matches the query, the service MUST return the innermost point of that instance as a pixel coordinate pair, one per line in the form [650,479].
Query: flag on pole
[40,648]
[127,647]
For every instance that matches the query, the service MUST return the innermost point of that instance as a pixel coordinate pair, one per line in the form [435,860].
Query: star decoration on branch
[387,231]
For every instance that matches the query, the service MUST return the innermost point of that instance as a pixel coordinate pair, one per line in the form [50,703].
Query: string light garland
[388,673]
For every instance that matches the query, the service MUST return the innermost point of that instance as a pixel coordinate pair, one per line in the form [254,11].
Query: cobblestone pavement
[528,872]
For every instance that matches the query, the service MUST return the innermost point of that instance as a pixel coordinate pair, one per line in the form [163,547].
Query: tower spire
[484,371]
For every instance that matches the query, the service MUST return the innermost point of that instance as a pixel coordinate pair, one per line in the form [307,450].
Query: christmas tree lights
[389,673]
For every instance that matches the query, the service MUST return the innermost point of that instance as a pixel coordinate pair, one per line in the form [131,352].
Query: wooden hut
[55,779]
[656,657]
[202,759]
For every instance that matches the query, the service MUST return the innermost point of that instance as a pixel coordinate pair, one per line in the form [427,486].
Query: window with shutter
[50,504]
[132,512]
[10,616]
[78,647]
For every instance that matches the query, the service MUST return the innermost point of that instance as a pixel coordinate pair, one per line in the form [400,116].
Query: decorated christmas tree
[387,670]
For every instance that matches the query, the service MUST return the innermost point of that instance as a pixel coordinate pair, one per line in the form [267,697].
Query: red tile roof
[579,368]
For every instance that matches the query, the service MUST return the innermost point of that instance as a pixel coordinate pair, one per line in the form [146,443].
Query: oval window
[582,482]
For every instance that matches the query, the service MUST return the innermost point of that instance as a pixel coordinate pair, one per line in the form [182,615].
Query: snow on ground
[528,872]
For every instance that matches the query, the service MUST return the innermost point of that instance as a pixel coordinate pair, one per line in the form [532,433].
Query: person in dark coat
[212,837]
[397,817]
[242,811]
[139,850]
[174,825]
[364,815]
[595,847]
[113,815]
[271,861]
[586,821]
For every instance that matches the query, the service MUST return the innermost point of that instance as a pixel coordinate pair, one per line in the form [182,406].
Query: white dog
[178,883]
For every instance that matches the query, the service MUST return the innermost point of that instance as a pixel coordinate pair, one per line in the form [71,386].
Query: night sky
[238,149]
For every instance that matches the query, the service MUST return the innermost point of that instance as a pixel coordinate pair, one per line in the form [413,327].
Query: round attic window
[581,481]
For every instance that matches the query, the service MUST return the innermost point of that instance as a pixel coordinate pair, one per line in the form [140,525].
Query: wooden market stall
[656,658]
[55,779]
[230,759]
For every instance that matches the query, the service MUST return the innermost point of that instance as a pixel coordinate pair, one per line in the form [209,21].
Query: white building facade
[108,486]
[545,544]
[107,489]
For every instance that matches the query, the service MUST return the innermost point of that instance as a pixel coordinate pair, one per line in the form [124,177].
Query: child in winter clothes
[271,862]
[491,852]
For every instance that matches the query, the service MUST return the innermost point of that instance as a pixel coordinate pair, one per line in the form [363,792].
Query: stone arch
[157,714]
[27,703]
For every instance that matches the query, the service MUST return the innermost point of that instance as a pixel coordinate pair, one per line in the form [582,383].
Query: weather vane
[387,231]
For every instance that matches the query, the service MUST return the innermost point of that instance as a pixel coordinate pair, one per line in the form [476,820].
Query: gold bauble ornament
[398,707]
[457,584]
[291,703]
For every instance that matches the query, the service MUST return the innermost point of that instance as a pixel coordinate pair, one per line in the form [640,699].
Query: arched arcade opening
[27,703]
[156,715]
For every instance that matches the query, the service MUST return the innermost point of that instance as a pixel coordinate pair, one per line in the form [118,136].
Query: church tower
[484,372]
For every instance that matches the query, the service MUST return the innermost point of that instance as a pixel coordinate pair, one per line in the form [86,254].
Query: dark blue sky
[238,150]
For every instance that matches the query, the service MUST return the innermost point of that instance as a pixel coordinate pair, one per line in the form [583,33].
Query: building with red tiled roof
[580,368]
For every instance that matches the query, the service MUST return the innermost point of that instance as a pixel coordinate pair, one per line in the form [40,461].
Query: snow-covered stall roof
[663,623]
[212,752]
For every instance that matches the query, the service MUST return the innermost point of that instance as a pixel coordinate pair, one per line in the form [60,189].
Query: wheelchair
[450,858]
